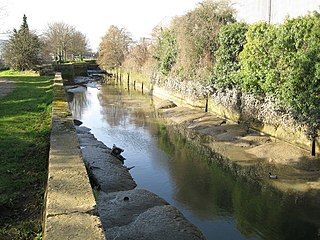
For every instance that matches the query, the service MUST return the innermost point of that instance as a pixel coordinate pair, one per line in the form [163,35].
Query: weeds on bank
[25,122]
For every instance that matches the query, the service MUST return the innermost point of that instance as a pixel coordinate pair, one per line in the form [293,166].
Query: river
[221,205]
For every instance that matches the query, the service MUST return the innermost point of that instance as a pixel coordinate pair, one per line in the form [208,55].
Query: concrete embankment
[70,206]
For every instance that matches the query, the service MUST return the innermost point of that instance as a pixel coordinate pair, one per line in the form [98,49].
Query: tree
[79,45]
[197,35]
[138,55]
[114,47]
[63,41]
[21,51]
[299,62]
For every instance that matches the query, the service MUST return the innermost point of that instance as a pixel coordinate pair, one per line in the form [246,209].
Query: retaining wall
[287,134]
[70,206]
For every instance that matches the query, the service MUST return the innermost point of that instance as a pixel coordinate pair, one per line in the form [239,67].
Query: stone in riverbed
[113,206]
[106,170]
[165,104]
[157,223]
[140,214]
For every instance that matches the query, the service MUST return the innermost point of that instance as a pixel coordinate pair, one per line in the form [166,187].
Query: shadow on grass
[25,118]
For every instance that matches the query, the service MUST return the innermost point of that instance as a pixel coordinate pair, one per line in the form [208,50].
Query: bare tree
[58,39]
[138,55]
[63,41]
[114,47]
[79,45]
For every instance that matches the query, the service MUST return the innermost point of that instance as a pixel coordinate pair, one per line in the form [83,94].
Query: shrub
[231,40]
[166,51]
[257,60]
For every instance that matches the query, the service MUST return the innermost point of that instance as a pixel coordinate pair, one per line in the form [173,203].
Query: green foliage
[299,66]
[231,41]
[258,73]
[283,62]
[166,51]
[276,64]
[21,52]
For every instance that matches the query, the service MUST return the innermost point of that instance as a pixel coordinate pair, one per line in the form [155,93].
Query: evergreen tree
[21,51]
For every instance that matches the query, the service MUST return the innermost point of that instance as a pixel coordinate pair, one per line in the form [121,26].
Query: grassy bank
[25,118]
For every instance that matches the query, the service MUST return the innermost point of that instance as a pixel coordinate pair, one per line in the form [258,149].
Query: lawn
[25,125]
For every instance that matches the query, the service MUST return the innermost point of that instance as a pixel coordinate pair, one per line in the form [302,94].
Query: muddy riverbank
[250,153]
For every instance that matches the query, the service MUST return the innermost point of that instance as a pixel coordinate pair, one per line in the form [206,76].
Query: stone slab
[70,206]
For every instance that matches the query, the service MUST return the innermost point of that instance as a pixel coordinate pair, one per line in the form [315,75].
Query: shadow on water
[214,193]
[221,204]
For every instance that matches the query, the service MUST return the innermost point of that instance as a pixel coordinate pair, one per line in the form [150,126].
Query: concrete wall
[275,11]
[70,206]
[293,136]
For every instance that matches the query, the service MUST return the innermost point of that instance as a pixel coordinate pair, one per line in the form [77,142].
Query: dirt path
[6,86]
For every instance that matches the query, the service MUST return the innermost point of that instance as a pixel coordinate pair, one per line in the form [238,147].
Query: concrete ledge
[69,202]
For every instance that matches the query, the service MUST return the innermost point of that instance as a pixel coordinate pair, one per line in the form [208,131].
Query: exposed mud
[257,154]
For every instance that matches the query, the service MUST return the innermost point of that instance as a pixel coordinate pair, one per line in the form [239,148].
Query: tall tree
[137,56]
[197,35]
[58,39]
[63,41]
[79,45]
[114,47]
[21,51]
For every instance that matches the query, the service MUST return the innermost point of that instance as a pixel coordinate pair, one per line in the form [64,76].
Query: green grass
[25,125]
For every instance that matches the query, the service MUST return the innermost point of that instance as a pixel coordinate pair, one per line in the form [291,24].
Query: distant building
[273,11]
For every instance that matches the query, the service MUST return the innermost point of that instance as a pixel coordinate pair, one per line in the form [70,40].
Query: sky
[93,17]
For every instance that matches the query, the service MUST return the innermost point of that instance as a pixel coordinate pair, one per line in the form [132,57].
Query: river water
[221,205]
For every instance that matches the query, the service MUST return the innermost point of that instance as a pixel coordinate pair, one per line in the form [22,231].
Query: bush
[257,60]
[166,51]
[197,39]
[299,66]
[231,40]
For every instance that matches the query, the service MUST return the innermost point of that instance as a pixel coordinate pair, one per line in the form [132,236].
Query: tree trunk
[313,149]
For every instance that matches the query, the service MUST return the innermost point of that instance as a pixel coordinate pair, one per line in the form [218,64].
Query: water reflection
[213,193]
[222,205]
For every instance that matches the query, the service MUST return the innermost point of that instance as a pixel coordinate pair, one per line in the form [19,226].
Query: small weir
[220,203]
